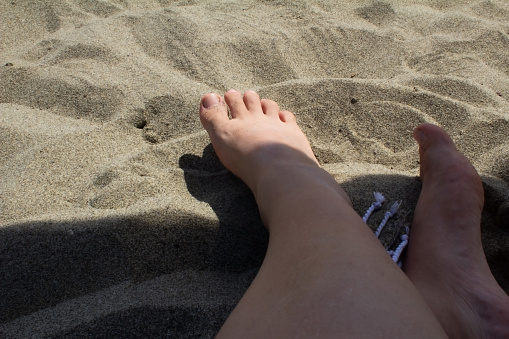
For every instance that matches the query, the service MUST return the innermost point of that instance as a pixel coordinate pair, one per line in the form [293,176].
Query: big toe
[213,111]
[437,151]
[431,136]
[442,165]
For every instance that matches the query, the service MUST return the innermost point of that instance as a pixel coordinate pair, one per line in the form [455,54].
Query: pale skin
[325,275]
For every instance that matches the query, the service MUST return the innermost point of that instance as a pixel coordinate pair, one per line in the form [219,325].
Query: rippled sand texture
[117,219]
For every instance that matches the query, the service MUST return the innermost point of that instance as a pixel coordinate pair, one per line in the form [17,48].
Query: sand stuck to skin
[116,217]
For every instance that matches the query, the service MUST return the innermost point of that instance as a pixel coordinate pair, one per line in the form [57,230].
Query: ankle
[284,179]
[286,187]
[492,308]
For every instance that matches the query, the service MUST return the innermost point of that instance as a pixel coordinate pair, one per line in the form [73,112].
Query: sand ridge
[110,185]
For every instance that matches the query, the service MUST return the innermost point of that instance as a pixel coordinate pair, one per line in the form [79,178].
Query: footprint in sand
[167,117]
[71,97]
[379,13]
[114,189]
[100,8]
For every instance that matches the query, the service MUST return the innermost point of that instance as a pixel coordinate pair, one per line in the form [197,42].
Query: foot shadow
[241,238]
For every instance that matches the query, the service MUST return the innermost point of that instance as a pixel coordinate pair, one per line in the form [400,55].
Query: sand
[117,219]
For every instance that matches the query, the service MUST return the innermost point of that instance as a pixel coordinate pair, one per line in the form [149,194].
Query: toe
[252,101]
[213,111]
[429,135]
[287,116]
[442,165]
[234,100]
[436,149]
[270,108]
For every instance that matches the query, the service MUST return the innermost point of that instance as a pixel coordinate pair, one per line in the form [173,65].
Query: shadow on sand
[43,264]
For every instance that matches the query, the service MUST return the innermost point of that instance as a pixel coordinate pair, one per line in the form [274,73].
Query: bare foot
[272,134]
[446,261]
[259,143]
[325,273]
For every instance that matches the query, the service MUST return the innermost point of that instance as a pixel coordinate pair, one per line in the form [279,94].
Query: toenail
[210,100]
[420,137]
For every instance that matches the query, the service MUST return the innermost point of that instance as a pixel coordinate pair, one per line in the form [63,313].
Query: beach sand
[116,217]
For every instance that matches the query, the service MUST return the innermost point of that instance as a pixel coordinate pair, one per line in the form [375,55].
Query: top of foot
[257,139]
[445,257]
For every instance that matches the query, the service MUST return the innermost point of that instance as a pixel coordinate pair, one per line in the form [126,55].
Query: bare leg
[325,274]
[445,258]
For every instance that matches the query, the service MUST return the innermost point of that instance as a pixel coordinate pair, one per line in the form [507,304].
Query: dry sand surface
[117,219]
